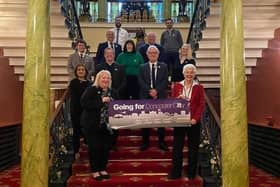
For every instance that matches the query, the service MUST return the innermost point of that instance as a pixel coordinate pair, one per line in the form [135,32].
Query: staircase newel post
[233,97]
[36,98]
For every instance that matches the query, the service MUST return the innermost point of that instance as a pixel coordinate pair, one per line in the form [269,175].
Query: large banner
[150,113]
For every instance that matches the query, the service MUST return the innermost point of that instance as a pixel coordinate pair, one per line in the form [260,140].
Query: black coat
[118,76]
[99,58]
[92,104]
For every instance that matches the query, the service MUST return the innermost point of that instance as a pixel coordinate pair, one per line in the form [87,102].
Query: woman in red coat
[194,93]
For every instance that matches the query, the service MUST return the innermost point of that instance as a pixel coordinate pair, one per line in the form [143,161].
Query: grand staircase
[129,166]
[260,20]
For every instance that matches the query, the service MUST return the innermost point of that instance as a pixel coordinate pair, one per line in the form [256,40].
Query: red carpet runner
[129,166]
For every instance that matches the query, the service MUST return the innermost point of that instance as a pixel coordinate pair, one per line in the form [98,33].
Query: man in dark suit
[80,57]
[151,40]
[118,79]
[153,85]
[108,44]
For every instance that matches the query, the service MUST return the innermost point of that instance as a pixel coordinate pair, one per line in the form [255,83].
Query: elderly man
[118,80]
[108,44]
[151,40]
[152,79]
[80,57]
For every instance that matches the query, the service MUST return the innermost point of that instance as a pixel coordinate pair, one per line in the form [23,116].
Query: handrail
[213,110]
[211,137]
[68,9]
[198,23]
[61,149]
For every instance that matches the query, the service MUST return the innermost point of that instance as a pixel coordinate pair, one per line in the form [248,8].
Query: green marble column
[102,10]
[36,104]
[233,97]
[166,9]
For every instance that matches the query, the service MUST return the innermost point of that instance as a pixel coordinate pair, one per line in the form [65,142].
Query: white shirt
[123,36]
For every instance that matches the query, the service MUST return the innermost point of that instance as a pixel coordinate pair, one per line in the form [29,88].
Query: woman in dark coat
[94,121]
[77,87]
[185,57]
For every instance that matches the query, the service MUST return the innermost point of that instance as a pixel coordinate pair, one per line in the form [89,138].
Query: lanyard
[189,92]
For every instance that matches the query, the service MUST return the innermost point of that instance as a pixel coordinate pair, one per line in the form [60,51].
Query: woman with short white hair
[193,92]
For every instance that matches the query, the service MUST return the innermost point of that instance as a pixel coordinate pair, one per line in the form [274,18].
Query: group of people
[120,71]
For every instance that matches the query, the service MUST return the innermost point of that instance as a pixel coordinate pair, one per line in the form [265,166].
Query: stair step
[55,62]
[134,152]
[249,33]
[61,79]
[124,166]
[59,70]
[54,52]
[215,53]
[20,42]
[215,62]
[128,180]
[248,43]
[56,33]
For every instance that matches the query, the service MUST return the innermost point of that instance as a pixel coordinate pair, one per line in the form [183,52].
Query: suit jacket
[118,76]
[143,50]
[144,79]
[74,59]
[99,58]
[197,102]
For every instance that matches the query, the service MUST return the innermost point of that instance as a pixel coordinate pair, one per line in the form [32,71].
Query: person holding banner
[193,92]
[153,80]
[95,120]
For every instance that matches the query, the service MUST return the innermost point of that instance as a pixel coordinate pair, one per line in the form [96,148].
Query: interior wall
[263,90]
[96,33]
[10,95]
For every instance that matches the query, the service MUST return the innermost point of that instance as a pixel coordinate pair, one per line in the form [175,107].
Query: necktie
[153,76]
[112,45]
[81,55]
[117,37]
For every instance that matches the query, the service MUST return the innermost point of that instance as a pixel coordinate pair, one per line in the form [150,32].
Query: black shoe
[163,146]
[97,178]
[144,147]
[105,176]
[173,176]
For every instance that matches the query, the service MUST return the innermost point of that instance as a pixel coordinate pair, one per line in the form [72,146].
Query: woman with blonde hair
[185,57]
[95,120]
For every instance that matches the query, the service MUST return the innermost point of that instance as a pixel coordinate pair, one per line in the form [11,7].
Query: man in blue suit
[153,80]
[99,58]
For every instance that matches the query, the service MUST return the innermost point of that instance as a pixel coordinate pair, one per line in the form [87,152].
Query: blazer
[118,76]
[197,102]
[143,52]
[74,59]
[99,58]
[91,102]
[144,79]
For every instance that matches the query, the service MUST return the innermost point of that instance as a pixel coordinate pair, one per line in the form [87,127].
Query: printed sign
[150,113]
